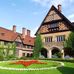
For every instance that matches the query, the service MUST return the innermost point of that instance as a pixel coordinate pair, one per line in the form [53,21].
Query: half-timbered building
[23,41]
[54,30]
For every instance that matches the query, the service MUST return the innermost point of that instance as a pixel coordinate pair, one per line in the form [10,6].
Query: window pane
[48,39]
[60,38]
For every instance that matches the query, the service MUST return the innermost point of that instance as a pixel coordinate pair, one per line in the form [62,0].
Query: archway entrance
[56,53]
[43,53]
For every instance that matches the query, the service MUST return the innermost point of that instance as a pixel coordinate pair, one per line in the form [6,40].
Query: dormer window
[53,27]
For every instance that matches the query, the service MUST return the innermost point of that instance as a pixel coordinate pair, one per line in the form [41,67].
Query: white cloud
[53,2]
[42,2]
[71,17]
[33,31]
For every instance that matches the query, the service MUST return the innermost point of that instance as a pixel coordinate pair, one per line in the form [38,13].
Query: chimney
[28,32]
[24,32]
[14,28]
[59,7]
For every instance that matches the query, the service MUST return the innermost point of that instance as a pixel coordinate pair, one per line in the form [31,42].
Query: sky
[30,13]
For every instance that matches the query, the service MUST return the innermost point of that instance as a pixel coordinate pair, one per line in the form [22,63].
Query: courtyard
[48,67]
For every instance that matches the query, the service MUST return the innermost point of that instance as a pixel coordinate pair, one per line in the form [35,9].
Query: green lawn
[48,64]
[67,69]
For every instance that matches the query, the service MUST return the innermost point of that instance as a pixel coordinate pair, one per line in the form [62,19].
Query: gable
[61,26]
[7,35]
[18,39]
[52,15]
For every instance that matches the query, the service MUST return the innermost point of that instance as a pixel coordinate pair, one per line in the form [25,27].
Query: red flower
[28,63]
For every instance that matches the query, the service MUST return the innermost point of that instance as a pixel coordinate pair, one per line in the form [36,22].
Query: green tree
[14,48]
[69,43]
[5,50]
[11,47]
[8,49]
[38,46]
[2,47]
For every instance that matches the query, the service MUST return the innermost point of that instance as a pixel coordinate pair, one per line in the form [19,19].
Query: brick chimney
[24,32]
[28,32]
[14,28]
[59,8]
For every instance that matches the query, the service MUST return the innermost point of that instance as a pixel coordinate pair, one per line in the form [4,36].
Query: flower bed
[28,63]
[36,65]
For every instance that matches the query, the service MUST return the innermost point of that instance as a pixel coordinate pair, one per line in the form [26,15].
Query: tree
[38,46]
[14,48]
[5,50]
[69,43]
[2,51]
[11,47]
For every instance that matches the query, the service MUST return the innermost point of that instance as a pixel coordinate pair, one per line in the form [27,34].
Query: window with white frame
[48,39]
[60,38]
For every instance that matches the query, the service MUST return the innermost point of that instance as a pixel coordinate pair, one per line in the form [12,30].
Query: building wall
[45,28]
[21,52]
[52,16]
[50,45]
[66,33]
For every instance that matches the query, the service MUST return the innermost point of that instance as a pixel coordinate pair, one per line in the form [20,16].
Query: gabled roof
[28,40]
[10,36]
[7,35]
[60,14]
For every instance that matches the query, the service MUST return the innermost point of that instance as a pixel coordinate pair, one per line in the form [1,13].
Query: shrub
[1,58]
[23,58]
[10,57]
[38,46]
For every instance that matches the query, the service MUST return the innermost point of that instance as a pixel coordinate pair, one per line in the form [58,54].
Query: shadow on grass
[66,70]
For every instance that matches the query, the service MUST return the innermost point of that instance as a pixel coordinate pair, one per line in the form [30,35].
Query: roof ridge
[10,30]
[59,13]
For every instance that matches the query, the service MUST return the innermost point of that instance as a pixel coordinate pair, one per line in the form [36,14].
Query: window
[32,47]
[48,39]
[53,27]
[61,38]
[5,43]
[28,55]
[28,46]
[24,46]
[19,44]
[23,54]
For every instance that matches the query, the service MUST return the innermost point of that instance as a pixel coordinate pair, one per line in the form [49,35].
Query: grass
[48,64]
[67,69]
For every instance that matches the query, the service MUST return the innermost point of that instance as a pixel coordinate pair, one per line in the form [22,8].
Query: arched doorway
[43,53]
[56,52]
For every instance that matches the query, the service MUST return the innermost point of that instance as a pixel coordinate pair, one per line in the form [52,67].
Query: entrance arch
[43,52]
[56,53]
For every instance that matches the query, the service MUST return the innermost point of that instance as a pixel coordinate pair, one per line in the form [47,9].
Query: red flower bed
[28,63]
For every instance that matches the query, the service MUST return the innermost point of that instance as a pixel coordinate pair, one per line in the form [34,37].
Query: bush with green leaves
[38,46]
[1,58]
[69,43]
[5,50]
